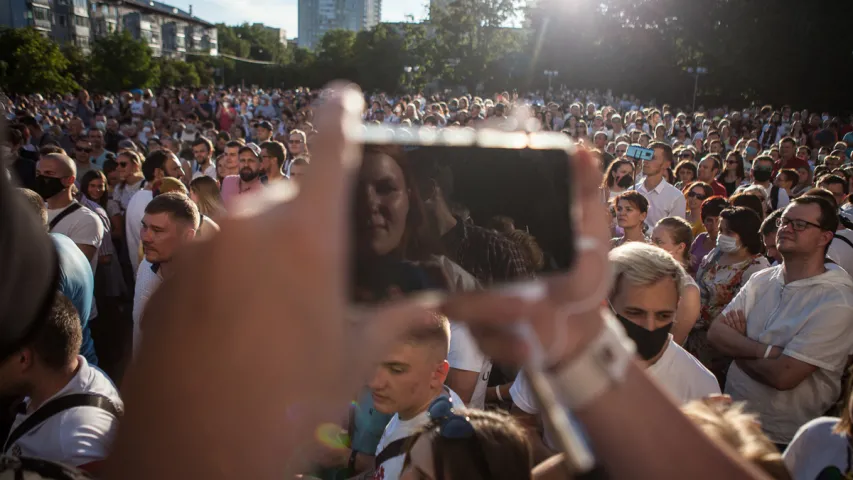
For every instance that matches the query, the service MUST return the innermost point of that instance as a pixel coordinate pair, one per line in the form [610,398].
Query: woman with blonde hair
[204,191]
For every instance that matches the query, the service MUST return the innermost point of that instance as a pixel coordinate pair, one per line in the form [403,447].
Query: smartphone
[640,153]
[495,206]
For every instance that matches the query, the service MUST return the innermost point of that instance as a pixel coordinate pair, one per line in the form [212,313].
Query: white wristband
[498,393]
[767,352]
[597,369]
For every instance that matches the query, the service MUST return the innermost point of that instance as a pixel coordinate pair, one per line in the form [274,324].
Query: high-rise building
[316,17]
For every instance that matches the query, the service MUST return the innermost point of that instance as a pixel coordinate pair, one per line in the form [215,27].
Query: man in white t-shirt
[203,163]
[46,370]
[55,177]
[157,166]
[789,328]
[644,298]
[170,222]
[664,199]
[405,383]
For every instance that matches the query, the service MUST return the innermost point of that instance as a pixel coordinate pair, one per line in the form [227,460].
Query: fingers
[487,309]
[335,154]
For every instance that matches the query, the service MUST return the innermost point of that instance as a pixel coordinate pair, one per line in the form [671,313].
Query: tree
[78,64]
[121,63]
[335,54]
[175,73]
[30,63]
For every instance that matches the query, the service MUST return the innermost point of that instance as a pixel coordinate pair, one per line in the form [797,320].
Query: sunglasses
[731,162]
[123,164]
[686,155]
[86,150]
[295,141]
[697,196]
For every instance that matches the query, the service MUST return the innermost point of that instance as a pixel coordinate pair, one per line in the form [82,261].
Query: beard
[247,174]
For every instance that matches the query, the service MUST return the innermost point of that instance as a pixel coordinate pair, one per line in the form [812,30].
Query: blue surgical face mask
[751,151]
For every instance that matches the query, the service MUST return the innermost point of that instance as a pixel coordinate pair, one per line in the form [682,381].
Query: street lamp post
[696,72]
[551,74]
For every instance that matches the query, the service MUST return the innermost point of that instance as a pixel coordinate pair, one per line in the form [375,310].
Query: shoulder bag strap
[393,449]
[68,211]
[843,239]
[57,406]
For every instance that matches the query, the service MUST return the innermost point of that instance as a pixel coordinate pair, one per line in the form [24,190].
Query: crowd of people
[729,240]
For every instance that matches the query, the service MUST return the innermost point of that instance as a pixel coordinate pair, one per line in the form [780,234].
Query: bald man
[55,176]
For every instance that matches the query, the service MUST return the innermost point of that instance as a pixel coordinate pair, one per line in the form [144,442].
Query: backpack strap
[393,449]
[843,239]
[59,405]
[68,211]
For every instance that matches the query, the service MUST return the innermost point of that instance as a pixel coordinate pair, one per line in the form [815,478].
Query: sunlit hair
[498,450]
[681,232]
[730,425]
[209,200]
[642,265]
[533,252]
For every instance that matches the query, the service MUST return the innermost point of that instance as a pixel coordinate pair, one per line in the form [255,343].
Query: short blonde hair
[729,424]
[642,265]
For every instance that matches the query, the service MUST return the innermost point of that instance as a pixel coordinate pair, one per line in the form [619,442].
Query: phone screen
[495,214]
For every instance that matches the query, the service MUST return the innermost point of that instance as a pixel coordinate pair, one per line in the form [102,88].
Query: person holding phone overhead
[664,199]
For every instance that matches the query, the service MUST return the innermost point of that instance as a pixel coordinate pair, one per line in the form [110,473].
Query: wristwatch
[600,366]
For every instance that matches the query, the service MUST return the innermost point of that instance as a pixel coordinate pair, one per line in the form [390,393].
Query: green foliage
[175,73]
[31,63]
[120,63]
[78,63]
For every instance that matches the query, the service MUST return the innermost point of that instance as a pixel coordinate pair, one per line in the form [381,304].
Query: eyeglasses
[697,196]
[85,150]
[686,155]
[295,141]
[797,225]
[731,162]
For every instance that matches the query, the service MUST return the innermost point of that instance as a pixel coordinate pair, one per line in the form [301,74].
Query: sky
[283,13]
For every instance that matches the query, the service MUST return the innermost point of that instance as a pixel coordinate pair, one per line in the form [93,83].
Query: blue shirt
[77,283]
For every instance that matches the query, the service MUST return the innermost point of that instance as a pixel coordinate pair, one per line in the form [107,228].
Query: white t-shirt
[678,372]
[841,252]
[133,224]
[79,435]
[465,355]
[682,375]
[210,170]
[146,284]
[123,193]
[817,452]
[83,227]
[397,429]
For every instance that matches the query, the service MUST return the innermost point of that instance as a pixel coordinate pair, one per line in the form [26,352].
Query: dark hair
[502,224]
[822,193]
[788,140]
[498,450]
[634,197]
[681,232]
[789,175]
[834,179]
[177,205]
[203,141]
[58,340]
[750,201]
[713,206]
[223,135]
[110,165]
[743,221]
[153,162]
[688,165]
[768,226]
[276,149]
[762,158]
[51,149]
[235,144]
[704,186]
[14,137]
[828,217]
[667,150]
[88,178]
[607,181]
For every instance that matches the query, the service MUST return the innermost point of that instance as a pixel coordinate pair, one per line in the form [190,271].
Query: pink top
[231,188]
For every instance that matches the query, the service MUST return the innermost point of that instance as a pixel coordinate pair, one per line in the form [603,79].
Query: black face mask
[47,187]
[625,182]
[762,176]
[649,342]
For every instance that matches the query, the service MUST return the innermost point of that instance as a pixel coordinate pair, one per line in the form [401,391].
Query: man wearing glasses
[788,329]
[83,157]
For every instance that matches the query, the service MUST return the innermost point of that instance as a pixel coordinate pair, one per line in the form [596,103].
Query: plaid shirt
[485,254]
